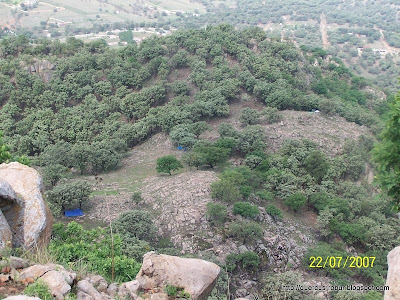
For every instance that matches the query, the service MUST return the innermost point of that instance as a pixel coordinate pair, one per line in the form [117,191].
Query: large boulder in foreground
[196,276]
[393,276]
[23,206]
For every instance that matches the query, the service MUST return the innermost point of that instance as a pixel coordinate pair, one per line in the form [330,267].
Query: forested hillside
[95,103]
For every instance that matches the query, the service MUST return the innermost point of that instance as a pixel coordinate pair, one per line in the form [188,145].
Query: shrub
[265,195]
[53,173]
[245,209]
[39,289]
[180,87]
[171,290]
[135,223]
[137,197]
[252,161]
[296,201]
[247,231]
[271,115]
[245,190]
[274,212]
[249,116]
[68,195]
[226,191]
[72,244]
[216,213]
[317,165]
[177,292]
[168,163]
[274,283]
[246,260]
[320,200]
[212,155]
[251,139]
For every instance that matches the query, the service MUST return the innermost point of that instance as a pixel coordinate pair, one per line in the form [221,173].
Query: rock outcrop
[195,276]
[24,212]
[393,275]
[43,68]
[54,276]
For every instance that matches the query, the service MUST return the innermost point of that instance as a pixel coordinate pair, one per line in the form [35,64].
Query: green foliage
[68,195]
[316,165]
[176,292]
[53,173]
[251,139]
[249,116]
[212,155]
[274,283]
[38,289]
[6,157]
[4,150]
[226,191]
[216,213]
[271,115]
[168,163]
[387,155]
[246,260]
[245,230]
[171,290]
[274,212]
[296,201]
[137,197]
[245,209]
[135,223]
[72,244]
[180,88]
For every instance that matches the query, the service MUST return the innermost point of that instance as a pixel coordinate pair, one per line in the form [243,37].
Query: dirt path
[324,32]
[386,45]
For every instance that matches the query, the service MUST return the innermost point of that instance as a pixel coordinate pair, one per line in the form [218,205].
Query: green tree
[387,153]
[246,230]
[296,201]
[136,223]
[274,212]
[68,195]
[246,209]
[317,165]
[249,116]
[226,191]
[216,213]
[168,163]
[213,155]
[53,173]
[5,155]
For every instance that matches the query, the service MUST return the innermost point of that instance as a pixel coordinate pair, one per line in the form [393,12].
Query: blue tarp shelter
[180,147]
[74,213]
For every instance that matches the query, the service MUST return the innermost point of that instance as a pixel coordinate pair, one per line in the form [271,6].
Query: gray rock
[112,289]
[198,277]
[241,293]
[18,263]
[5,232]
[159,296]
[28,208]
[21,297]
[393,275]
[242,249]
[99,283]
[35,271]
[86,287]
[83,296]
[57,284]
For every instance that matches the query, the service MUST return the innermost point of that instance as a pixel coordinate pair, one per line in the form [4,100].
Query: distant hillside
[345,28]
[118,97]
[269,142]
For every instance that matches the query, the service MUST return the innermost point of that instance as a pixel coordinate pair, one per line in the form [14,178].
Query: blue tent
[74,213]
[180,147]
